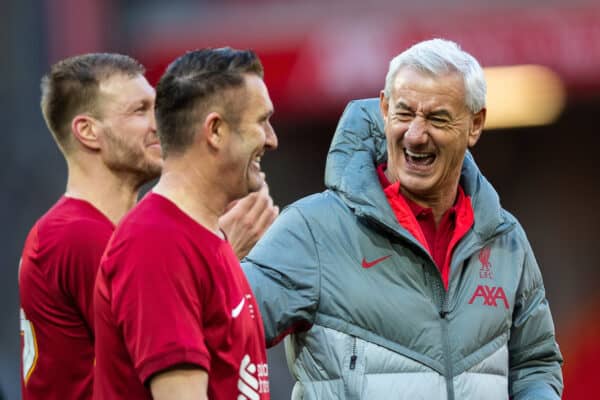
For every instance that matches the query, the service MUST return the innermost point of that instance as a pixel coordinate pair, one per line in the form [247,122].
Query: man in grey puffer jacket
[406,279]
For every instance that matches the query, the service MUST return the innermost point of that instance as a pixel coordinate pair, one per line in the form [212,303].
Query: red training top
[419,221]
[170,292]
[56,282]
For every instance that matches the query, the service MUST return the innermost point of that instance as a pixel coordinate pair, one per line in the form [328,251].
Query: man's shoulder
[510,226]
[66,242]
[71,224]
[154,223]
[317,202]
[320,207]
[154,215]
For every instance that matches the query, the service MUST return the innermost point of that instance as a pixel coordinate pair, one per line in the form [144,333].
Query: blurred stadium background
[541,151]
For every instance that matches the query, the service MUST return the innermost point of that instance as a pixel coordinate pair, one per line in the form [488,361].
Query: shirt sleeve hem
[161,362]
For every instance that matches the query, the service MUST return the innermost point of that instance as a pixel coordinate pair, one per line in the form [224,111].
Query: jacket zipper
[353,356]
[354,374]
[446,343]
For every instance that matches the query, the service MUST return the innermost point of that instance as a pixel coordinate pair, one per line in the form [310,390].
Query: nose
[417,131]
[271,141]
[152,121]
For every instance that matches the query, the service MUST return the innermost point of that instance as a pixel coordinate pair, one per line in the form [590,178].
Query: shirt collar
[417,210]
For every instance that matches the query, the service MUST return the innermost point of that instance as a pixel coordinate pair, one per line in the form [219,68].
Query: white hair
[438,57]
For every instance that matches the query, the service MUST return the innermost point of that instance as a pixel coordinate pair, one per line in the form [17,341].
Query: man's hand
[247,219]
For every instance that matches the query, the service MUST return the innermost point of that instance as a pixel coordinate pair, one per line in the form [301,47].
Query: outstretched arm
[283,270]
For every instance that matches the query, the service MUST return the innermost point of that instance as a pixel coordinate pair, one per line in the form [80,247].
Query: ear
[85,131]
[214,129]
[384,105]
[477,127]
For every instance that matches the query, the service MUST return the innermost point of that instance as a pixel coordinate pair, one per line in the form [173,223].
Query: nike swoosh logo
[238,309]
[367,264]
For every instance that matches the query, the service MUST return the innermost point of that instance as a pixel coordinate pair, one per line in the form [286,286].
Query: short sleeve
[156,304]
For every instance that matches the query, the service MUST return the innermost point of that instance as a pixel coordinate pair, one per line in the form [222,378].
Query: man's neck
[111,194]
[438,204]
[195,190]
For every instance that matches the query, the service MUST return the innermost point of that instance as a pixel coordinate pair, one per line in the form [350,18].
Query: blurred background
[540,149]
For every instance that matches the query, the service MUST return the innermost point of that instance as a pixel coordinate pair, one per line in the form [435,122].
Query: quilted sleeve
[535,359]
[283,270]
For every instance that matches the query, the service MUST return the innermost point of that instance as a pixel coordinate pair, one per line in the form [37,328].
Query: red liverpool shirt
[56,281]
[169,292]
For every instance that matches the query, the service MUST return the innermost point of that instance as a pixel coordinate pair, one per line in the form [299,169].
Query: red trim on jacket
[300,326]
[440,240]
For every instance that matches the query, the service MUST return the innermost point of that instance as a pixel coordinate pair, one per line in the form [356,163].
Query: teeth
[416,155]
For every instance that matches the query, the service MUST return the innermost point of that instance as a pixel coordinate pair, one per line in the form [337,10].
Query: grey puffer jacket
[366,306]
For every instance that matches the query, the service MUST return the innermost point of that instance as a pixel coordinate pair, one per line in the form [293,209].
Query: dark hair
[192,84]
[71,88]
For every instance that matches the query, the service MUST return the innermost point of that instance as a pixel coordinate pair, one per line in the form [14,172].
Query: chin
[254,187]
[153,167]
[416,184]
[255,183]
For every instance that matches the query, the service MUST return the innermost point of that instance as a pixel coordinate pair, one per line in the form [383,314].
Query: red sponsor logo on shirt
[254,379]
[490,295]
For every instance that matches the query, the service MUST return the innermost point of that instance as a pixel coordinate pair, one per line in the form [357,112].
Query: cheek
[393,134]
[453,139]
[394,139]
[454,154]
[238,156]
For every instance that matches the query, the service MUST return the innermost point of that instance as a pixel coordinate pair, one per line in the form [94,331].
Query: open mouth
[256,161]
[419,159]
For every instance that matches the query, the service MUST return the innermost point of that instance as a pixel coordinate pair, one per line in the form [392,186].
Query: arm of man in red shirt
[180,384]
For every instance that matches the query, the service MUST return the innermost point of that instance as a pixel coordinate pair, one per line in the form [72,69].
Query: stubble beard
[131,162]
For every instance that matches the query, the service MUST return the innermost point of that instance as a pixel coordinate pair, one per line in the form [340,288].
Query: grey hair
[438,57]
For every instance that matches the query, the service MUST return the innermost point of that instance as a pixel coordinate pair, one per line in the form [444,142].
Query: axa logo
[490,295]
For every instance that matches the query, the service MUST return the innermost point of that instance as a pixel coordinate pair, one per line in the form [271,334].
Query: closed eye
[404,116]
[438,120]
[142,107]
[264,119]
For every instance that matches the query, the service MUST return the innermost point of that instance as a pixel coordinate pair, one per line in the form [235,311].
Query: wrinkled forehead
[417,87]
